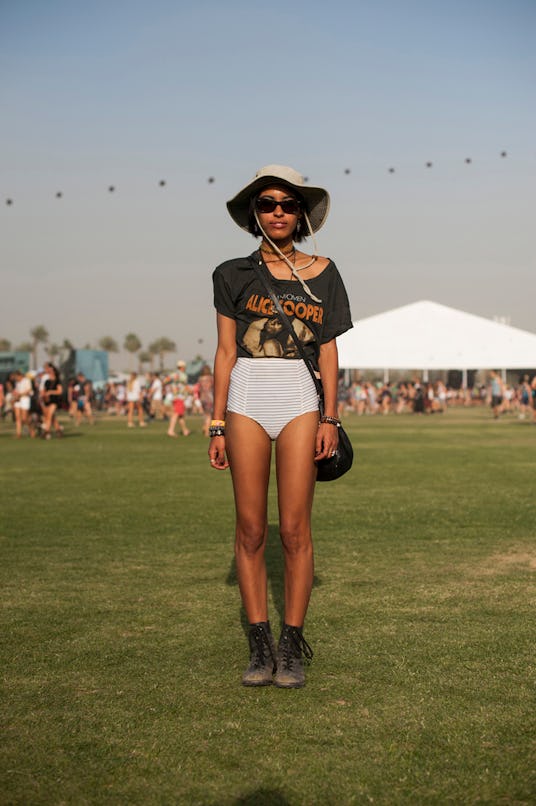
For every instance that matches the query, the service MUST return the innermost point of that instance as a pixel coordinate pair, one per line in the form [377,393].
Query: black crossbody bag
[333,466]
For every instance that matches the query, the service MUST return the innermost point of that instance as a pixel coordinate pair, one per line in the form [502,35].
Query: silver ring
[333,453]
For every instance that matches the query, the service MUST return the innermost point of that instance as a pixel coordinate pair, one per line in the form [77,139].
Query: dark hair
[300,233]
[54,369]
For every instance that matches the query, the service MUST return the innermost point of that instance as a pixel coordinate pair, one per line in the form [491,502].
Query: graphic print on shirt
[266,337]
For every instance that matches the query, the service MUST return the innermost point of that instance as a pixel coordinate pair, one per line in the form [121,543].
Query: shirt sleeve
[223,301]
[338,319]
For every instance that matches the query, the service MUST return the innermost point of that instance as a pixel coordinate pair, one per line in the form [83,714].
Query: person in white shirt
[155,396]
[22,397]
[134,400]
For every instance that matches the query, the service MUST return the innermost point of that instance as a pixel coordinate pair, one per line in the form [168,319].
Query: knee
[296,538]
[250,538]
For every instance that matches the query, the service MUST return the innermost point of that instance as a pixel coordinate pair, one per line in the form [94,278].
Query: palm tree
[39,335]
[65,350]
[160,347]
[53,350]
[145,357]
[109,344]
[132,343]
[5,345]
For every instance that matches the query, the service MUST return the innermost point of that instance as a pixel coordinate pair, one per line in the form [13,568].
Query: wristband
[217,422]
[331,421]
[216,431]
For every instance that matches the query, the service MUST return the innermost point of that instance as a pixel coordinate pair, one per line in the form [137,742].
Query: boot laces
[261,650]
[293,646]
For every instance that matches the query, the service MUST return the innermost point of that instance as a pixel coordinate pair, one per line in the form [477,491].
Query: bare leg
[296,476]
[49,412]
[249,451]
[18,422]
[130,416]
[89,413]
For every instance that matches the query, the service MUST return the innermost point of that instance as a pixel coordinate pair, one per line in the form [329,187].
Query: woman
[134,400]
[178,394]
[264,395]
[22,399]
[51,399]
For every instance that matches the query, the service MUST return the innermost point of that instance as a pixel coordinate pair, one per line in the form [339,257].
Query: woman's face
[278,225]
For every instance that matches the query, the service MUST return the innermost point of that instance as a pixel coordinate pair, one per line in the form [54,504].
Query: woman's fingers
[216,453]
[327,440]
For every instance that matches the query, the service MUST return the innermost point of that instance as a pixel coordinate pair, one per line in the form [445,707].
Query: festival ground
[123,641]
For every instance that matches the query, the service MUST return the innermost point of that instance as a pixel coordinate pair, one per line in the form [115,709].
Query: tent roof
[426,335]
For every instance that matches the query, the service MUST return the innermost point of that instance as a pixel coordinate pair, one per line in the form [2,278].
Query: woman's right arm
[223,363]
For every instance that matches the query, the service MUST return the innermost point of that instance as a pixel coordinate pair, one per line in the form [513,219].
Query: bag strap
[286,324]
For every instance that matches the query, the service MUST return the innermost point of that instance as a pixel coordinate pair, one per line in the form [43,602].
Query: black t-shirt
[50,385]
[240,295]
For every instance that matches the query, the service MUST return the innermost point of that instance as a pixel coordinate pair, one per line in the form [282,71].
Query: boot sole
[288,685]
[257,685]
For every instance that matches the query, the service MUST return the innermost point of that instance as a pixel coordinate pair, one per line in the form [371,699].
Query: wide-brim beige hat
[316,199]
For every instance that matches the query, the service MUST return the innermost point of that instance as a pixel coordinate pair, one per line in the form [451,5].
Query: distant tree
[24,347]
[53,350]
[87,346]
[65,349]
[39,336]
[108,344]
[132,343]
[160,347]
[5,345]
[145,357]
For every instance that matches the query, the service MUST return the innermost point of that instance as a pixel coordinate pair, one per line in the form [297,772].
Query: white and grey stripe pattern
[272,391]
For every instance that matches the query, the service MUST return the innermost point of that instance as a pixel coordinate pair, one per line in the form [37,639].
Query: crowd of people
[32,400]
[419,397]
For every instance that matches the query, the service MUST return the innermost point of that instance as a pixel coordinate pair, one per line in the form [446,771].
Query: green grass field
[123,641]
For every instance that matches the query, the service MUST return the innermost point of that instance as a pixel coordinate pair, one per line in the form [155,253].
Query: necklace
[291,255]
[269,250]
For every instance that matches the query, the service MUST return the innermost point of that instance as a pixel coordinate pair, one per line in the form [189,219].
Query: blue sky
[129,93]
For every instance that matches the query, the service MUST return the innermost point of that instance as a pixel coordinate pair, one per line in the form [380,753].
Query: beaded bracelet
[216,431]
[331,421]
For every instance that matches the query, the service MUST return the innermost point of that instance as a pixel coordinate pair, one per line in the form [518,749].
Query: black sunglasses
[266,204]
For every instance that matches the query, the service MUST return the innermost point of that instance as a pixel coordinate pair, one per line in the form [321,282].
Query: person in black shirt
[51,400]
[263,392]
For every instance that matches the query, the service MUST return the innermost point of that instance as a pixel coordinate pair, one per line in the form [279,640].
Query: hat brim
[316,199]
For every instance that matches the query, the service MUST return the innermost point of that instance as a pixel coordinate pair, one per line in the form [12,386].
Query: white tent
[426,335]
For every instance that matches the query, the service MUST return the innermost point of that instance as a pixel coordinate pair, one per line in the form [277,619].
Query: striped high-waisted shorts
[271,391]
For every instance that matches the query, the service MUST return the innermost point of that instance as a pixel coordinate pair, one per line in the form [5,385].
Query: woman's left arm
[327,437]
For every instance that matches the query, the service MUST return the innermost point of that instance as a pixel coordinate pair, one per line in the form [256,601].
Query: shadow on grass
[260,797]
[275,570]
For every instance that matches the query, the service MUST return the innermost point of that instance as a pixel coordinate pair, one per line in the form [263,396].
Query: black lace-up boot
[292,646]
[262,655]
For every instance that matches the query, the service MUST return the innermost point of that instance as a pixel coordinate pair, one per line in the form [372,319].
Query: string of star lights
[162,183]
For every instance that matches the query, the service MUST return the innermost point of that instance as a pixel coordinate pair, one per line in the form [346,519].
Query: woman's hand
[327,439]
[216,453]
